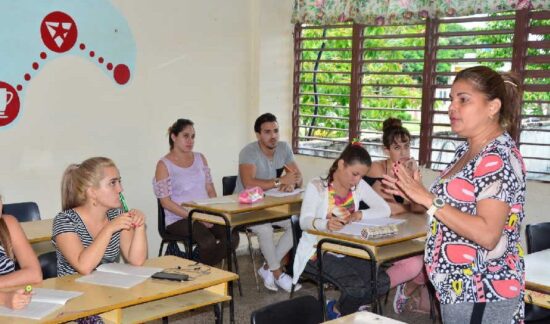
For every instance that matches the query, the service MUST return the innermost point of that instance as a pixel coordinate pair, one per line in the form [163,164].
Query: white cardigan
[315,206]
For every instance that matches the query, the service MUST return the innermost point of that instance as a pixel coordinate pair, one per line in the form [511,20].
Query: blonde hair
[77,178]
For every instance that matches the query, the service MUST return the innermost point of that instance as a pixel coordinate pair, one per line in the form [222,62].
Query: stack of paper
[277,193]
[119,275]
[44,301]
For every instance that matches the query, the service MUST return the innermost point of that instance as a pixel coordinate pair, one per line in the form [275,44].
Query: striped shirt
[7,265]
[69,221]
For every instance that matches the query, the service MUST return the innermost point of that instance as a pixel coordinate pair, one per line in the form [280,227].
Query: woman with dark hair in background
[476,205]
[183,175]
[339,194]
[14,247]
[407,274]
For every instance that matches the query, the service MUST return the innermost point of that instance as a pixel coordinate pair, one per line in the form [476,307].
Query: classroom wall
[220,63]
[194,60]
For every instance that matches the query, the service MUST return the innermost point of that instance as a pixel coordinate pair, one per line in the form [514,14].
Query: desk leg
[230,268]
[218,313]
[190,242]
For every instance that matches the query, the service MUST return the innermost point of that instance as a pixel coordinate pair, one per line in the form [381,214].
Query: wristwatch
[437,204]
[277,182]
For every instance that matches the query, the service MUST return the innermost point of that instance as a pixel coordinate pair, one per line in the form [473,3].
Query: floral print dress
[460,269]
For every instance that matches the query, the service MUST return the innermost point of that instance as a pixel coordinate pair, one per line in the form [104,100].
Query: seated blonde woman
[14,247]
[92,229]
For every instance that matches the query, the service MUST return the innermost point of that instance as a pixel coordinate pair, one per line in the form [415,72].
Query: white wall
[193,61]
[219,63]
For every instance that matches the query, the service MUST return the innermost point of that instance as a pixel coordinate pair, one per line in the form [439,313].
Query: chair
[538,239]
[24,211]
[48,263]
[300,310]
[168,237]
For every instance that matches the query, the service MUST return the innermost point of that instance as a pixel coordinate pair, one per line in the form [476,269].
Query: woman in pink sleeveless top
[183,175]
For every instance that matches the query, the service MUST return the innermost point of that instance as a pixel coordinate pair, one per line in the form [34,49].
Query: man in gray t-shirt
[261,164]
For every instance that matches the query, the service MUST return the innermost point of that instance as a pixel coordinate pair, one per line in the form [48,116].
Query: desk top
[100,299]
[537,275]
[414,227]
[38,231]
[238,208]
[364,317]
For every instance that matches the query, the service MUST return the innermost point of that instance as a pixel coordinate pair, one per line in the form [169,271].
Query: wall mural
[35,32]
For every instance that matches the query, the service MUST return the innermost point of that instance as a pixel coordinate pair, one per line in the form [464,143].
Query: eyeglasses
[194,270]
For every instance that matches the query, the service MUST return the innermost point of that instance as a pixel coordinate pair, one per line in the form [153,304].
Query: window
[348,78]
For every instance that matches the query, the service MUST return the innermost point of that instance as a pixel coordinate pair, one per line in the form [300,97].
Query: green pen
[123,201]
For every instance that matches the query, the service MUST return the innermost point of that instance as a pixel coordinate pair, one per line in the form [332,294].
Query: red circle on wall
[58,31]
[9,103]
[121,73]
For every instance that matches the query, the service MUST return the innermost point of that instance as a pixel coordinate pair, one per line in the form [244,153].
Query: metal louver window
[534,138]
[348,78]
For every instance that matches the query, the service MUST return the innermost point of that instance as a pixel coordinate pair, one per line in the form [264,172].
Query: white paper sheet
[44,302]
[111,279]
[383,221]
[276,193]
[123,268]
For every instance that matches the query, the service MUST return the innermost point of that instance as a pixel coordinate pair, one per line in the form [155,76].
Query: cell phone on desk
[170,276]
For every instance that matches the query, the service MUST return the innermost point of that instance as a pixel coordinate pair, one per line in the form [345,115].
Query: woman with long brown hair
[14,247]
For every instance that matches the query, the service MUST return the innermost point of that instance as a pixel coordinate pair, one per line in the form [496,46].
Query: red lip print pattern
[461,189]
[488,164]
[460,253]
[507,288]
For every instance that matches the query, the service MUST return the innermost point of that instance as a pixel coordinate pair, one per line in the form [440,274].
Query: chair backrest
[228,185]
[161,220]
[538,237]
[48,263]
[24,211]
[299,310]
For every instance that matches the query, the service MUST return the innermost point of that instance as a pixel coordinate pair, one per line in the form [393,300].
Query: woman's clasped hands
[130,220]
[407,184]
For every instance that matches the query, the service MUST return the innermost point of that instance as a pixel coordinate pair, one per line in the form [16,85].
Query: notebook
[44,301]
[119,275]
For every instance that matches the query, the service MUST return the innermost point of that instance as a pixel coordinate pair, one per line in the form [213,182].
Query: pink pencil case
[251,195]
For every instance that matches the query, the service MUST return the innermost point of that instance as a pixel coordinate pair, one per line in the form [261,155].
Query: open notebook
[118,275]
[44,301]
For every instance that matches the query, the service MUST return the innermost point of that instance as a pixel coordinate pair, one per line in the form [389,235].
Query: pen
[123,201]
[28,289]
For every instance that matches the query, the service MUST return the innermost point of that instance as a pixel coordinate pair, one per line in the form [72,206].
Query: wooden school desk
[234,214]
[408,241]
[38,231]
[537,278]
[149,300]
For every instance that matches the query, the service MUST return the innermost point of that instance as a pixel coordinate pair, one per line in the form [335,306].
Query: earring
[94,203]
